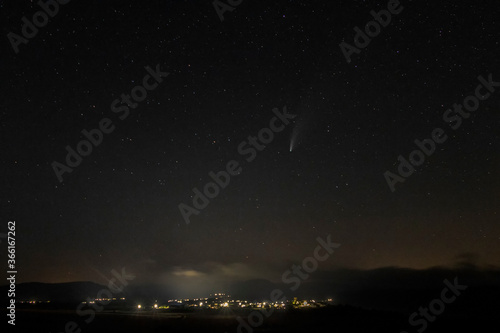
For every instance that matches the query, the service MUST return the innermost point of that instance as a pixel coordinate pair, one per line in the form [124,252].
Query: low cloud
[187,272]
[207,278]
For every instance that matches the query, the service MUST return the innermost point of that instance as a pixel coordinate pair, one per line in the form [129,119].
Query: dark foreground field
[332,319]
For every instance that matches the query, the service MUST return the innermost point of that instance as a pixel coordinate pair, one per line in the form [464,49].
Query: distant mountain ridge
[390,288]
[55,292]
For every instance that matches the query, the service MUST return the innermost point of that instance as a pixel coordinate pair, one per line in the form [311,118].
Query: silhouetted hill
[390,289]
[256,289]
[55,292]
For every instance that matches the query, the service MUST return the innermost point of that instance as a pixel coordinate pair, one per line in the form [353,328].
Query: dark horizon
[325,284]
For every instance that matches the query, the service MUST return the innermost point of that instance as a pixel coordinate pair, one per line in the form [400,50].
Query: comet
[294,138]
[301,125]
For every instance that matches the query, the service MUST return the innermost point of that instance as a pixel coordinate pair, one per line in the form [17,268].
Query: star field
[120,206]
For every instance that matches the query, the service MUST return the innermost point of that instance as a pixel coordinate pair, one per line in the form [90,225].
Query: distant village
[214,301]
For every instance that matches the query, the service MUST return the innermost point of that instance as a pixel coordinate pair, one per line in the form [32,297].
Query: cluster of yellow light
[198,302]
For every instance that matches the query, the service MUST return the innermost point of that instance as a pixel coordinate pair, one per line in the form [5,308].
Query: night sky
[119,207]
